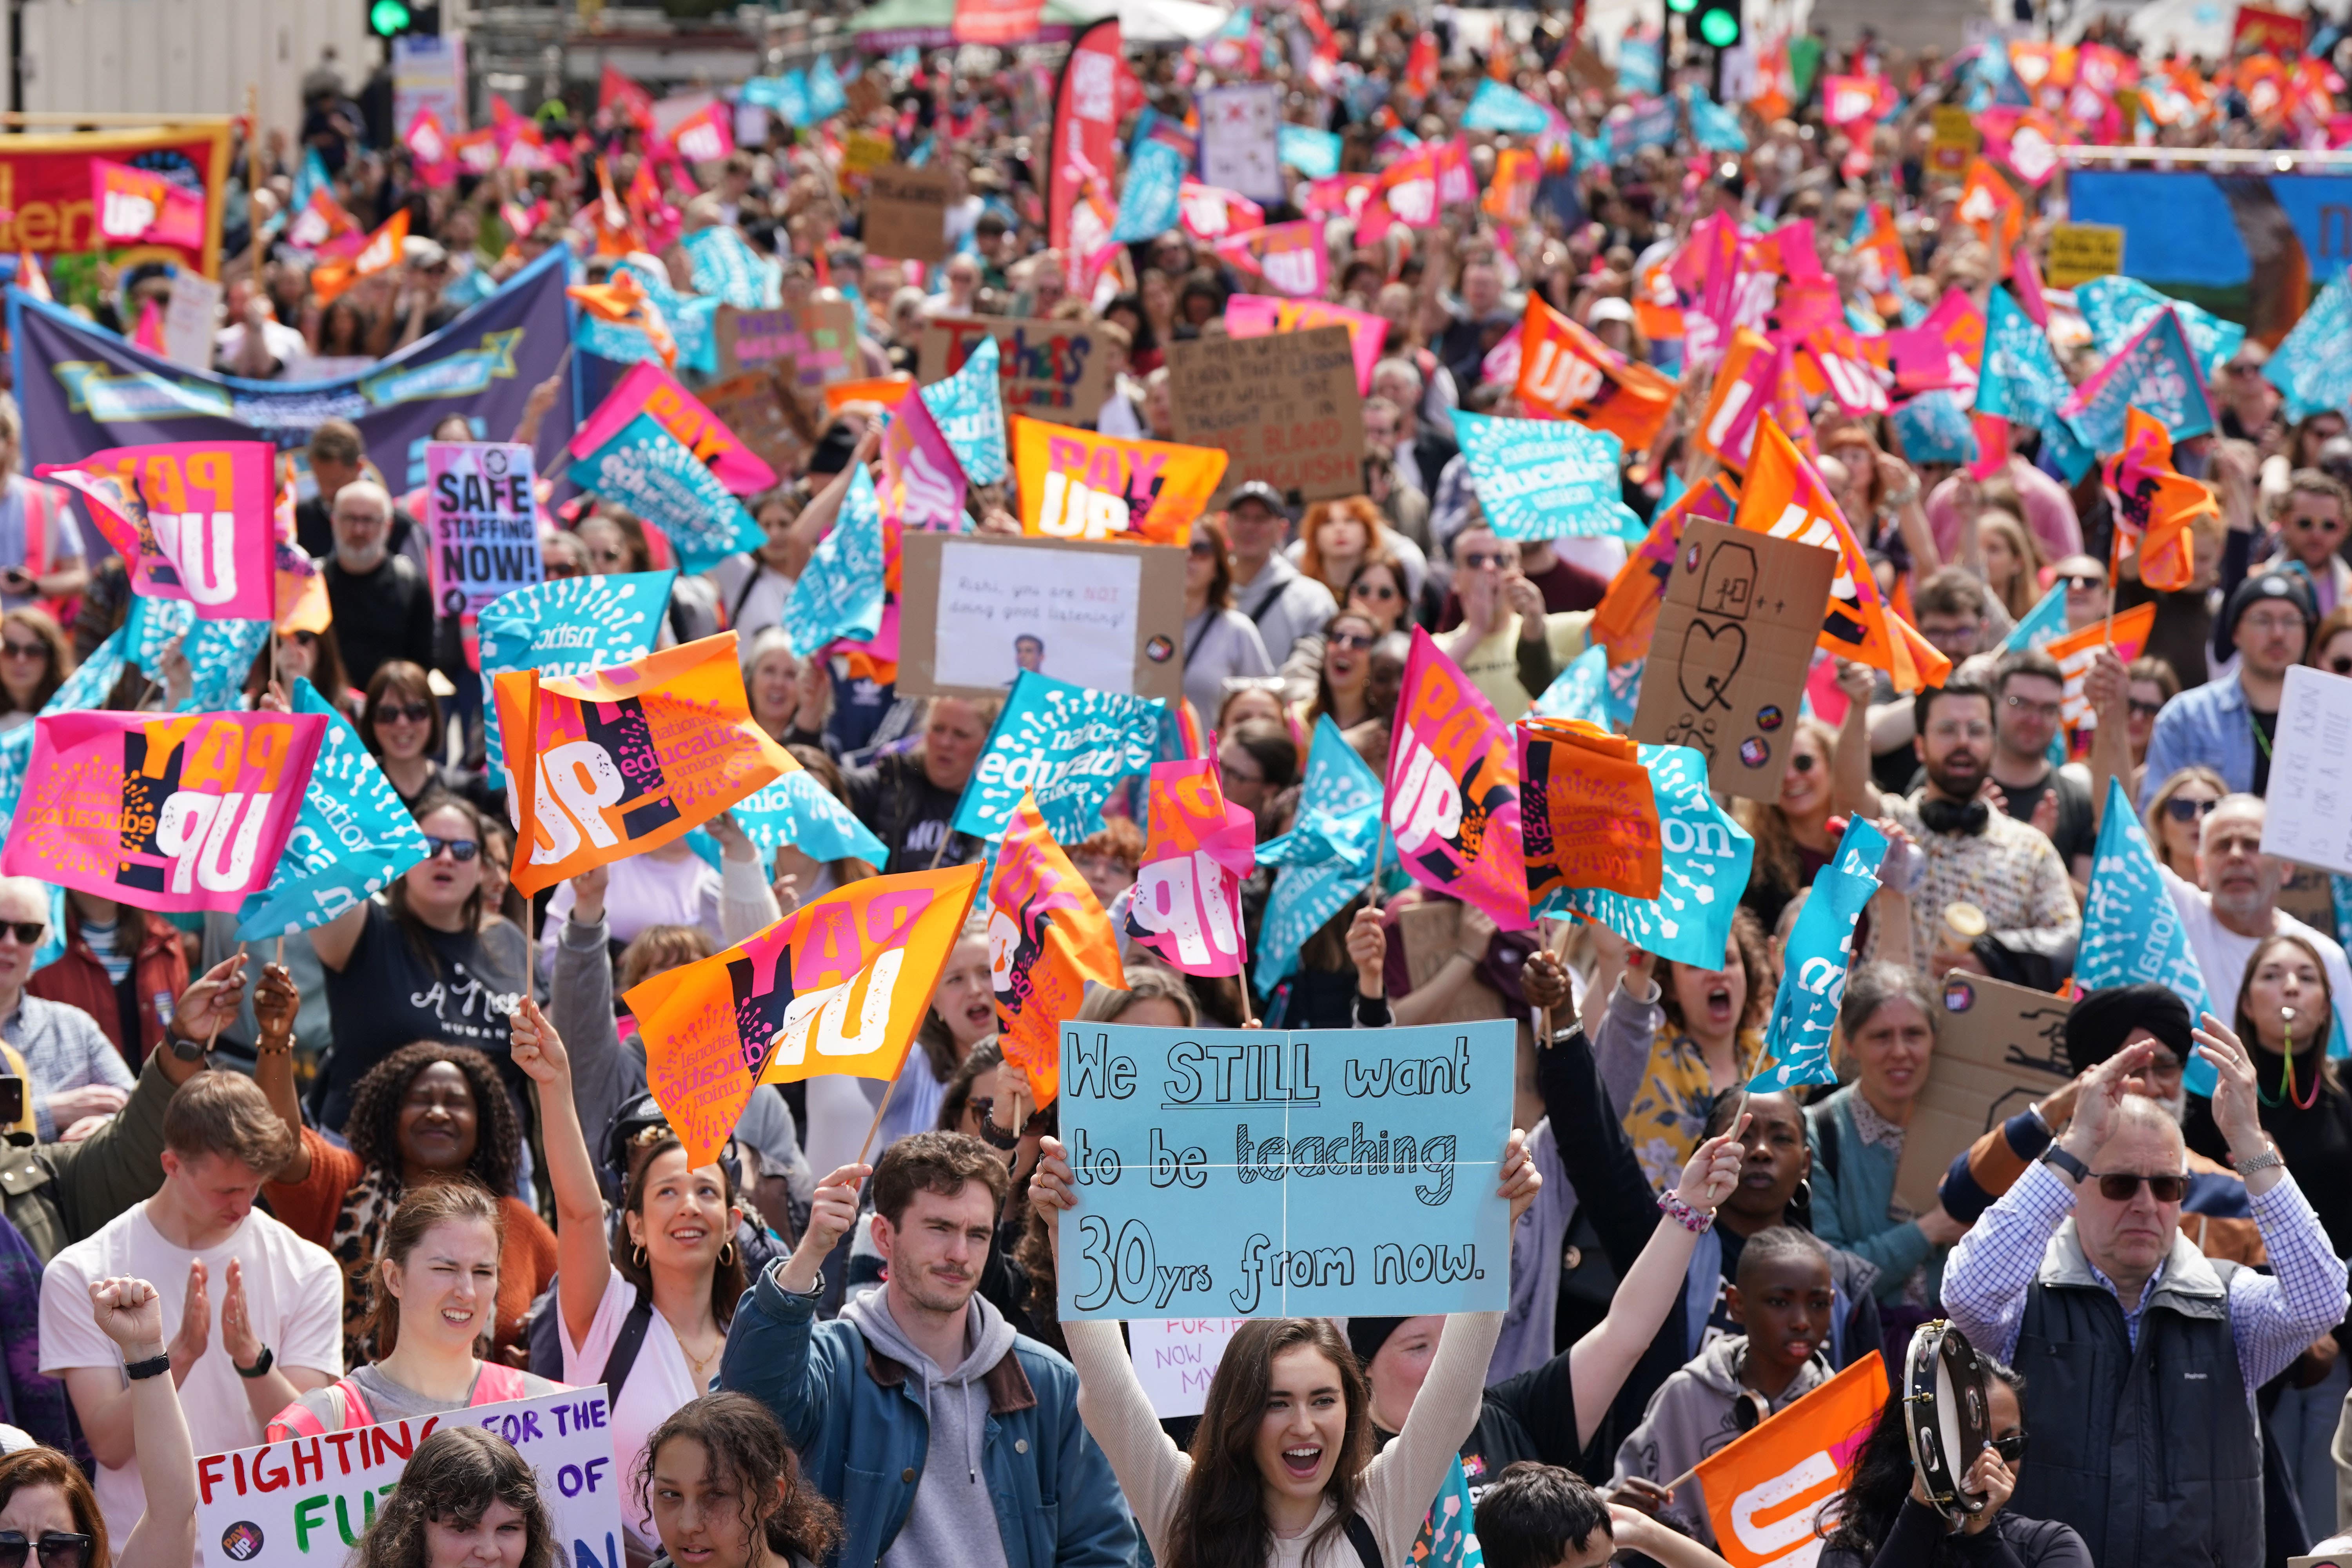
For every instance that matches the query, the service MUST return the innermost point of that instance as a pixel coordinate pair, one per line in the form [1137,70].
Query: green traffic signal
[1682,7]
[1719,27]
[388,17]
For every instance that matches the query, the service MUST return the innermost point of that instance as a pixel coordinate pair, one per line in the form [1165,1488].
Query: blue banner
[1707,856]
[351,837]
[838,597]
[1314,153]
[1496,107]
[1069,744]
[2314,364]
[1326,858]
[657,476]
[2019,378]
[2206,230]
[568,625]
[1148,205]
[1638,58]
[799,811]
[1652,124]
[1589,689]
[690,317]
[2115,308]
[1546,478]
[82,388]
[1935,429]
[969,408]
[1820,950]
[2131,934]
[726,265]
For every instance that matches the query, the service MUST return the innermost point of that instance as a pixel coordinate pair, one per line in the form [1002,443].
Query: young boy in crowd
[1541,1516]
[1783,1299]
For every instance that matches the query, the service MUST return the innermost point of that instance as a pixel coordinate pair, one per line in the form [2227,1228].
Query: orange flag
[1046,938]
[1992,209]
[2155,505]
[2127,633]
[839,985]
[616,234]
[1627,615]
[382,252]
[1764,1490]
[623,300]
[1587,812]
[605,764]
[1076,484]
[1785,497]
[1567,373]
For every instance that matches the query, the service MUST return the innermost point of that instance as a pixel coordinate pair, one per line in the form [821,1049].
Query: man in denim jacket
[945,1436]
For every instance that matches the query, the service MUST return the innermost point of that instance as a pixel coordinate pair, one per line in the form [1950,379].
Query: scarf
[357,1243]
[1668,1113]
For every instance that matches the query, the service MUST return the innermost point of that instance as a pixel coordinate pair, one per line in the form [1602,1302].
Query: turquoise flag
[568,625]
[2154,373]
[2019,378]
[2115,307]
[2131,932]
[1712,126]
[1589,689]
[825,97]
[1326,858]
[1068,743]
[690,317]
[1314,153]
[351,837]
[1148,204]
[1546,478]
[838,597]
[725,264]
[2045,623]
[799,811]
[1935,429]
[1821,950]
[2313,366]
[1496,107]
[657,476]
[1706,859]
[969,408]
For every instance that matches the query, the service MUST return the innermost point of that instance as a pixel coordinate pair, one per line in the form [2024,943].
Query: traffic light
[1719,22]
[393,18]
[1681,7]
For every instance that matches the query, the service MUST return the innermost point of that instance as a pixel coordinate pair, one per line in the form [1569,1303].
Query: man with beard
[2238,907]
[2228,724]
[1972,854]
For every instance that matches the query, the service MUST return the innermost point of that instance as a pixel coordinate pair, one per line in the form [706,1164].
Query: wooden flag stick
[879,1110]
[1380,851]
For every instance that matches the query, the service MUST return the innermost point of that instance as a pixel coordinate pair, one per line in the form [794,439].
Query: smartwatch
[2058,1157]
[186,1049]
[261,1368]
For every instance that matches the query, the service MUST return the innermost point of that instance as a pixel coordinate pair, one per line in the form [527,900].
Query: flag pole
[876,1126]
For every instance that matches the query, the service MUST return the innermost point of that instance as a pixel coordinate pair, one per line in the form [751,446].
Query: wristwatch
[186,1049]
[2262,1162]
[261,1368]
[2057,1156]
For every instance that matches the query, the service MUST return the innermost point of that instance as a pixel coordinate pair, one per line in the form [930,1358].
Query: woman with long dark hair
[724,1489]
[34,660]
[1219,642]
[1884,1520]
[1343,684]
[401,721]
[465,1499]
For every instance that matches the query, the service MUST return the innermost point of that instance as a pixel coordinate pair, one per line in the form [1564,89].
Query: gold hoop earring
[726,1255]
[637,1258]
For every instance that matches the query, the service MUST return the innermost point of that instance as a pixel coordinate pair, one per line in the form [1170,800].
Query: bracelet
[2269,1157]
[153,1366]
[1697,1221]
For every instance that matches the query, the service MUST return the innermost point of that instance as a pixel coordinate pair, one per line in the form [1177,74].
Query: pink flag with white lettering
[1188,892]
[193,520]
[1454,789]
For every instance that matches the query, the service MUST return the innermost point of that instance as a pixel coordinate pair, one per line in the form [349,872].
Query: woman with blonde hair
[2176,817]
[2009,561]
[790,696]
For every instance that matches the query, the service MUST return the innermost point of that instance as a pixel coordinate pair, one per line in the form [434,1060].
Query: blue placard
[1546,478]
[1255,1173]
[568,626]
[2131,934]
[1314,153]
[1821,951]
[1706,859]
[1496,107]
[1069,745]
[351,839]
[839,593]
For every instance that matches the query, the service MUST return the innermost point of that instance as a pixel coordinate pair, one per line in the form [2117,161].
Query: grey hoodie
[1690,1417]
[952,1519]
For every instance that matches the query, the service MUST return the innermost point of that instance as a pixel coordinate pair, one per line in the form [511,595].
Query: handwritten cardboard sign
[816,344]
[1284,407]
[2081,251]
[309,1500]
[2310,796]
[1049,370]
[1175,1358]
[2001,1048]
[1256,1174]
[760,407]
[906,213]
[973,612]
[1734,643]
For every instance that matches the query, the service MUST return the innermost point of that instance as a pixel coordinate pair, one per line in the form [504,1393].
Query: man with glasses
[2141,1355]
[382,603]
[2313,518]
[2030,692]
[74,1072]
[2229,724]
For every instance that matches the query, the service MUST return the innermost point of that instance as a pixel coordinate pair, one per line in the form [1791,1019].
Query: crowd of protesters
[409,1164]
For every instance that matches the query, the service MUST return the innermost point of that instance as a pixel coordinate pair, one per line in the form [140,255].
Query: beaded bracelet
[1697,1221]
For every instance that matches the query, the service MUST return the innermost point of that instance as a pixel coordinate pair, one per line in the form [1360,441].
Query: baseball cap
[1258,490]
[1609,310]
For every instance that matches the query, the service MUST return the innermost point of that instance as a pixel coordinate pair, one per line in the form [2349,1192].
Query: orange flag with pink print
[2154,503]
[1188,892]
[1046,938]
[1454,789]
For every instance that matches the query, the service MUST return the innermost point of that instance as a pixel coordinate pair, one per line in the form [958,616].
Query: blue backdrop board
[2253,248]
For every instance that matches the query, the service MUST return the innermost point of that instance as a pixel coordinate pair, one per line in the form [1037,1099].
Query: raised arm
[579,1007]
[2109,691]
[130,1313]
[276,1001]
[583,1259]
[1851,784]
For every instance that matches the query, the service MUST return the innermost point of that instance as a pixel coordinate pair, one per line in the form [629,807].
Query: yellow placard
[2081,251]
[862,152]
[1956,139]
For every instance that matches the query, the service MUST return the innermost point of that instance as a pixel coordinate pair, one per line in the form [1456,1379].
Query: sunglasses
[1353,640]
[24,651]
[306,639]
[2303,524]
[2082,583]
[1384,592]
[2150,709]
[58,1549]
[2182,810]
[2010,1449]
[460,850]
[562,569]
[1202,549]
[2120,1187]
[1483,560]
[30,934]
[403,713]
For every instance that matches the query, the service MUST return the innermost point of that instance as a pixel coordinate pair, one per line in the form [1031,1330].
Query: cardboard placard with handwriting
[1733,646]
[758,405]
[2081,251]
[1999,1049]
[906,214]
[816,345]
[1285,407]
[1046,369]
[968,602]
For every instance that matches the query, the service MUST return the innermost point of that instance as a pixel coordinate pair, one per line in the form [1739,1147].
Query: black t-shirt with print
[388,995]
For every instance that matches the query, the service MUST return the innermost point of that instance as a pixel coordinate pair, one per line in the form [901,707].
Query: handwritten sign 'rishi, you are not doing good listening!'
[1253,1173]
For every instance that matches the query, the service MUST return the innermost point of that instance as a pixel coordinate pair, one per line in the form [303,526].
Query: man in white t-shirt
[2238,907]
[253,1313]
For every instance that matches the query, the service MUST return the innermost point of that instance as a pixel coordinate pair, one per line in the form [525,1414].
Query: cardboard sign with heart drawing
[1733,646]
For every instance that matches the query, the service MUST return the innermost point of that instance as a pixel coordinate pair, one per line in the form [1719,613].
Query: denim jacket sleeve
[1096,1528]
[768,1357]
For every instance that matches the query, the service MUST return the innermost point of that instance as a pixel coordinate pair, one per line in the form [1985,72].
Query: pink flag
[1209,211]
[1256,316]
[1289,255]
[179,812]
[429,149]
[923,484]
[1452,796]
[136,205]
[2025,277]
[1188,892]
[648,388]
[193,520]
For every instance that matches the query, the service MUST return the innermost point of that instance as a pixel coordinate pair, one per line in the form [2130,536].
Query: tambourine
[1945,1415]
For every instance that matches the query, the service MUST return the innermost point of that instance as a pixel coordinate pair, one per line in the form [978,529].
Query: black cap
[1256,490]
[2278,583]
[2101,1020]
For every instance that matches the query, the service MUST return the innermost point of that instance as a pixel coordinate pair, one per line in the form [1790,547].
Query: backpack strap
[625,1345]
[1367,1544]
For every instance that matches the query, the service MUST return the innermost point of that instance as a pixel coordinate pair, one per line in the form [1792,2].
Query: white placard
[1239,132]
[190,320]
[1071,615]
[2310,794]
[1176,1357]
[309,1500]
